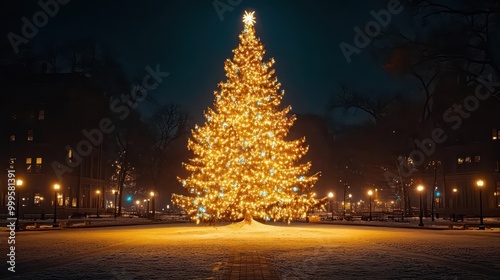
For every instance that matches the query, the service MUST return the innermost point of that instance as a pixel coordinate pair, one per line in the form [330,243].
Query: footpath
[428,224]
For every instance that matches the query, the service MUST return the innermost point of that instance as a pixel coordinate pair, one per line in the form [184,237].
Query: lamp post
[350,202]
[420,189]
[480,184]
[330,200]
[98,192]
[147,207]
[56,188]
[455,202]
[19,183]
[137,202]
[152,194]
[115,192]
[370,193]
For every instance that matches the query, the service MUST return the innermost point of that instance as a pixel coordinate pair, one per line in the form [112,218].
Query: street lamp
[455,202]
[330,200]
[350,202]
[137,202]
[420,189]
[19,183]
[115,192]
[56,188]
[98,192]
[152,194]
[370,193]
[480,184]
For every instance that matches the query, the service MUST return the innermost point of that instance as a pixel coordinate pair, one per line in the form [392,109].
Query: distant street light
[370,193]
[330,200]
[480,184]
[350,202]
[98,192]
[420,189]
[115,192]
[455,202]
[137,202]
[152,194]
[56,188]
[19,183]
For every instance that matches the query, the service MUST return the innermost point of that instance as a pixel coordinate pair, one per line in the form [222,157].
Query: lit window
[28,165]
[70,156]
[38,166]
[468,159]
[12,163]
[460,160]
[495,134]
[41,115]
[37,199]
[477,159]
[30,135]
[13,138]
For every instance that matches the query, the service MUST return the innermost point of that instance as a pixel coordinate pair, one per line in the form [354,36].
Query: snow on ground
[297,251]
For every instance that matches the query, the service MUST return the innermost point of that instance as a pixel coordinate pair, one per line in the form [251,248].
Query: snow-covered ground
[298,251]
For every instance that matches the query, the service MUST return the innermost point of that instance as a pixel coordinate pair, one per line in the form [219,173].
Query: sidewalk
[249,265]
[412,222]
[29,225]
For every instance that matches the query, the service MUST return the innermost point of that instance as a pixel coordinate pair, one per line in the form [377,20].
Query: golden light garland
[242,165]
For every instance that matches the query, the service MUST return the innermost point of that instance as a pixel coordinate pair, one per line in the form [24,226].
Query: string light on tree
[242,166]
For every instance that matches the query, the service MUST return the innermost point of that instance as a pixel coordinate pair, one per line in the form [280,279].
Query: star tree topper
[249,18]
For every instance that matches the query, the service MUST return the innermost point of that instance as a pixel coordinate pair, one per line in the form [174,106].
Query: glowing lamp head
[137,202]
[152,193]
[56,187]
[330,195]
[114,191]
[97,191]
[420,188]
[370,192]
[480,183]
[455,190]
[19,182]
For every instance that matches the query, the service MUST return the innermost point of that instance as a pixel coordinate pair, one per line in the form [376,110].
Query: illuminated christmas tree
[243,167]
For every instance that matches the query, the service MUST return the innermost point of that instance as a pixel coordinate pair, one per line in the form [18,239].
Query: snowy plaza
[296,251]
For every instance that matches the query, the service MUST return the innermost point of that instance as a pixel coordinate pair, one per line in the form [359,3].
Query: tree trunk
[248,218]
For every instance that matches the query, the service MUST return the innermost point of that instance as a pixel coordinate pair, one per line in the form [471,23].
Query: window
[12,163]
[495,134]
[37,199]
[468,160]
[497,196]
[70,156]
[460,160]
[30,135]
[38,166]
[41,115]
[12,138]
[477,159]
[28,165]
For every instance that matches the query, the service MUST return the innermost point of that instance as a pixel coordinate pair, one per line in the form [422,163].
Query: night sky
[189,40]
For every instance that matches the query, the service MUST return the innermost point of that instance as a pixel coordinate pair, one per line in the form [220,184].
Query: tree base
[248,219]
